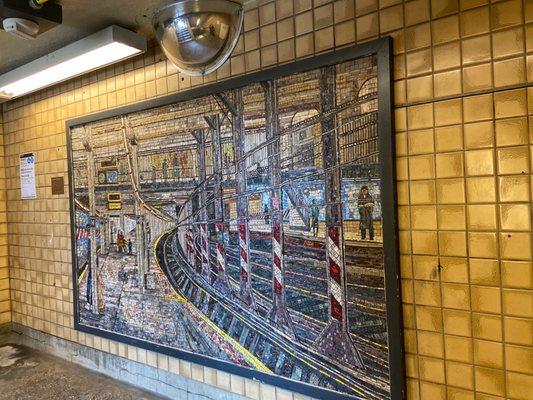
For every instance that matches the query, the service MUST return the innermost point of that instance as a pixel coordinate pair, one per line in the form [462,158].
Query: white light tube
[106,47]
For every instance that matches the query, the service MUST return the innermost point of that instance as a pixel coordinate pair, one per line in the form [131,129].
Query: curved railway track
[281,354]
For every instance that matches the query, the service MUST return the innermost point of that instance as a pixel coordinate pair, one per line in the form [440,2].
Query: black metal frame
[382,49]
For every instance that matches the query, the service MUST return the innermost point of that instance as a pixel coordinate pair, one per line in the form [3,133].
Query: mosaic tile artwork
[244,226]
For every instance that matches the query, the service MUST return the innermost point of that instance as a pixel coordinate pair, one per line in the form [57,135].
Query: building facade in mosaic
[244,229]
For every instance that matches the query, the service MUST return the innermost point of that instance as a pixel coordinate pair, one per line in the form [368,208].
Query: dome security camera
[198,36]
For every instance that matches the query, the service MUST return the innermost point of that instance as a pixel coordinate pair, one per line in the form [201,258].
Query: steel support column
[334,341]
[204,235]
[104,244]
[245,286]
[109,234]
[222,282]
[94,292]
[140,242]
[195,209]
[278,315]
[190,237]
[147,234]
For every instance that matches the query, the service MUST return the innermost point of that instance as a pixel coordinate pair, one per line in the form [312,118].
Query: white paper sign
[27,176]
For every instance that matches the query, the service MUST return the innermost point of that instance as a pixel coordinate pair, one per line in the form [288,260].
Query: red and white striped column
[243,249]
[204,242]
[245,284]
[334,341]
[278,257]
[221,251]
[221,282]
[278,315]
[244,262]
[335,284]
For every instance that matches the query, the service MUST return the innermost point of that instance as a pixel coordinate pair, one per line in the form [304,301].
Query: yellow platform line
[80,279]
[241,349]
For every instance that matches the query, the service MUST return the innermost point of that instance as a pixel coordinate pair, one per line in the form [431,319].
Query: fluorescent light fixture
[98,50]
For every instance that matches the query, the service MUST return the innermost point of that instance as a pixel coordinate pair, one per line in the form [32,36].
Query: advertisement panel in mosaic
[244,228]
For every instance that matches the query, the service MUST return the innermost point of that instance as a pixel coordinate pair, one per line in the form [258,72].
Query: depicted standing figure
[130,246]
[183,161]
[154,173]
[365,202]
[315,212]
[176,167]
[227,162]
[121,242]
[266,214]
[165,169]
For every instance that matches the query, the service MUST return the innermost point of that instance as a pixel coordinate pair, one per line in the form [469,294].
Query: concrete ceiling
[80,18]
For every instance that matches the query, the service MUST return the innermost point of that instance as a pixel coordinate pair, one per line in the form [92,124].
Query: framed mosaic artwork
[249,225]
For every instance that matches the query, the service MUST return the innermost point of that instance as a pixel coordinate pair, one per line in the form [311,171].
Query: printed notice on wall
[27,176]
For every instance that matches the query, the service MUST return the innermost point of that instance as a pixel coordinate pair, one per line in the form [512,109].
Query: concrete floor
[27,374]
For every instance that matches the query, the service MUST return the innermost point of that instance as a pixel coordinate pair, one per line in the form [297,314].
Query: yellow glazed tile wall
[5,314]
[464,137]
